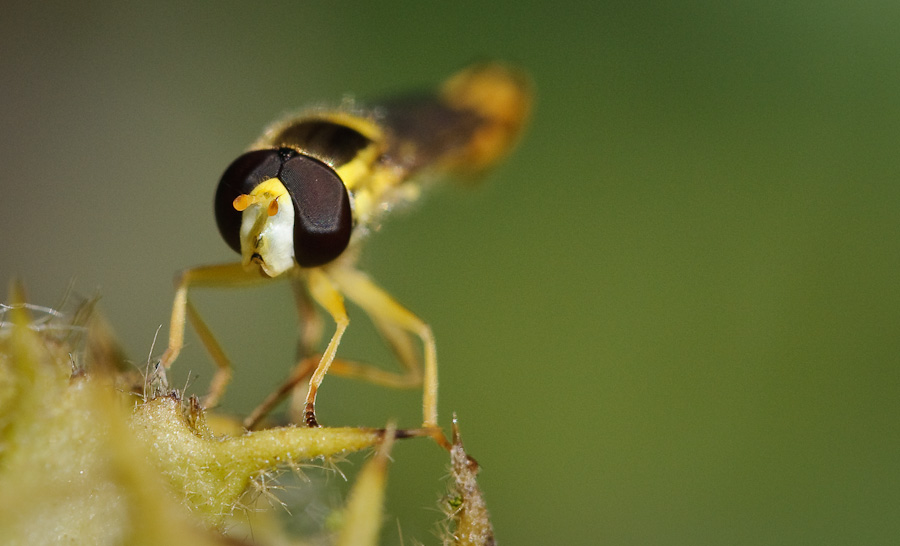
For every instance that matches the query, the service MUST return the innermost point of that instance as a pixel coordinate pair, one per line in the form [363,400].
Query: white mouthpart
[268,240]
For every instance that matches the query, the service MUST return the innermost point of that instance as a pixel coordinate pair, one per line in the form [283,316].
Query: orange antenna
[242,201]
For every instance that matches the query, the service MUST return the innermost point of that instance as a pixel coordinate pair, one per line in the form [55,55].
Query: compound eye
[245,173]
[322,218]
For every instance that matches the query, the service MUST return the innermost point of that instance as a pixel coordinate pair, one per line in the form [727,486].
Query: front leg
[224,275]
[325,294]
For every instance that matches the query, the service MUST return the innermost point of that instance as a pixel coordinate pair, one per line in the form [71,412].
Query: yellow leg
[310,328]
[309,325]
[401,342]
[222,375]
[309,332]
[306,366]
[302,370]
[393,320]
[206,276]
[402,345]
[326,295]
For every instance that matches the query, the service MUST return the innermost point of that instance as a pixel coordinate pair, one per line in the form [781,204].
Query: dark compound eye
[245,173]
[322,218]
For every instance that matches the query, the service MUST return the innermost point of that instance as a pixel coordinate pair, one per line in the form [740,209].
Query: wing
[464,127]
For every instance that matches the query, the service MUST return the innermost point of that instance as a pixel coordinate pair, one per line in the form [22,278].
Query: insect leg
[309,325]
[309,333]
[206,276]
[291,386]
[401,343]
[327,295]
[392,318]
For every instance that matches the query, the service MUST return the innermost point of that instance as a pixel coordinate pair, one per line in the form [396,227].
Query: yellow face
[267,228]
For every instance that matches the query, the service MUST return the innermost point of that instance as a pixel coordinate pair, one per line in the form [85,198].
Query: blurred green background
[671,317]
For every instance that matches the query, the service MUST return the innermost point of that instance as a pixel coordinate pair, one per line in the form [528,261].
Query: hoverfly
[304,196]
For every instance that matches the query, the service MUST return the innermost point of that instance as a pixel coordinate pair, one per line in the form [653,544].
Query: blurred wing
[464,127]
